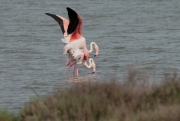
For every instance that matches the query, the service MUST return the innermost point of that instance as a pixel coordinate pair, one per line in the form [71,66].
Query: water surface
[143,33]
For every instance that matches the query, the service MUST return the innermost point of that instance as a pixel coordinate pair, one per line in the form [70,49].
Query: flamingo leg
[67,61]
[75,72]
[70,60]
[72,63]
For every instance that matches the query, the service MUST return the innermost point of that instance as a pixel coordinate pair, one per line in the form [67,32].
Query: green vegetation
[6,116]
[131,100]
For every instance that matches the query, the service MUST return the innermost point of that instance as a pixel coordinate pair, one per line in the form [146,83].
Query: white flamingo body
[77,58]
[80,44]
[75,45]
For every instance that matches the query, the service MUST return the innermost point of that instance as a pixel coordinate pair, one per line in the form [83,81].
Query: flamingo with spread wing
[72,31]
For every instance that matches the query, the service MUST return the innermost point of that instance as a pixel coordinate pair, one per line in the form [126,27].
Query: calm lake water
[143,33]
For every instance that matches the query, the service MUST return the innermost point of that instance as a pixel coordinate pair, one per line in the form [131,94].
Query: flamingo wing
[72,28]
[75,25]
[78,56]
[63,22]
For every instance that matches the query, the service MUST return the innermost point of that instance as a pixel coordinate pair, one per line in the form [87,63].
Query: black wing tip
[52,15]
[49,14]
[70,9]
[58,19]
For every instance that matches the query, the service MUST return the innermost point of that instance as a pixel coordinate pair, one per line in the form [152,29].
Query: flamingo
[75,42]
[77,58]
[72,31]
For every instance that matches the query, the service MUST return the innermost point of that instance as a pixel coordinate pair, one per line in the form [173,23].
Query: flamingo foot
[96,54]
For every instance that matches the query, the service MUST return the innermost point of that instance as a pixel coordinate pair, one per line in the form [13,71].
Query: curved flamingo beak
[94,67]
[97,50]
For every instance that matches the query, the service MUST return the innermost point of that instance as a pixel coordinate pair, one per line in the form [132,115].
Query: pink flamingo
[72,31]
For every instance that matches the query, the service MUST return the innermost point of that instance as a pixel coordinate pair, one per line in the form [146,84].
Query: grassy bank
[132,100]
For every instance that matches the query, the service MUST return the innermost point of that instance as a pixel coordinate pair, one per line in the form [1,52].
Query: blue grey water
[143,33]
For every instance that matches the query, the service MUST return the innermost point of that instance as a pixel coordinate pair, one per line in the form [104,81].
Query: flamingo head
[67,49]
[96,49]
[93,65]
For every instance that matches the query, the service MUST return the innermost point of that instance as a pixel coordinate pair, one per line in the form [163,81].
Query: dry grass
[103,100]
[6,116]
[132,100]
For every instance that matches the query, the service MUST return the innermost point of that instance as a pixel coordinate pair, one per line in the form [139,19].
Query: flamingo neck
[90,63]
[95,47]
[91,47]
